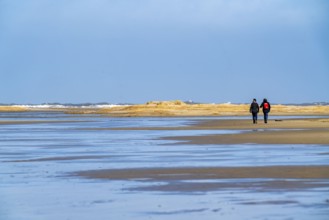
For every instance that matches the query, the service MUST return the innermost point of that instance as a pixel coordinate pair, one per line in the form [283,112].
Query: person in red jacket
[254,109]
[266,109]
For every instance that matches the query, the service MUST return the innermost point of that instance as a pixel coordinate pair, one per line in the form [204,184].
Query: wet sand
[197,173]
[291,131]
[259,137]
[147,177]
[299,123]
[70,158]
[195,179]
[22,122]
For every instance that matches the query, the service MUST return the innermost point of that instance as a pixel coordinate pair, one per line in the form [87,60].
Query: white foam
[102,106]
[60,106]
[40,106]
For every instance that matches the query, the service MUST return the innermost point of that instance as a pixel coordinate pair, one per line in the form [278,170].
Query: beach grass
[179,109]
[12,109]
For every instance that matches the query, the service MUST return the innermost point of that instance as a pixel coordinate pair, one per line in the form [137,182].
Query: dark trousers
[265,117]
[254,117]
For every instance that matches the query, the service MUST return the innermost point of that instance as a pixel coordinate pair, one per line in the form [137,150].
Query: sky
[134,51]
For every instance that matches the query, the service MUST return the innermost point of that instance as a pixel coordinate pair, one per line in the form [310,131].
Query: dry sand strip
[179,179]
[320,137]
[245,124]
[12,109]
[237,124]
[197,173]
[257,185]
[294,131]
[290,131]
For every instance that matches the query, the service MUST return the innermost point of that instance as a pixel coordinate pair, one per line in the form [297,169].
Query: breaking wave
[59,106]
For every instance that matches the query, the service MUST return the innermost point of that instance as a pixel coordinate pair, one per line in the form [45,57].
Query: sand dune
[179,108]
[12,109]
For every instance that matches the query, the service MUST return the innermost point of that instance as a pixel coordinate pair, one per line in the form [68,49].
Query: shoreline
[194,173]
[292,131]
[88,155]
[317,137]
[289,131]
[177,109]
[196,179]
[314,131]
[24,122]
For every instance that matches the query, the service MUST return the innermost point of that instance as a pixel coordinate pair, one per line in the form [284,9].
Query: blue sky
[140,50]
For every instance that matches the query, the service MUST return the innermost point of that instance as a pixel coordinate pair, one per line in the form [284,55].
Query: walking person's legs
[265,117]
[254,117]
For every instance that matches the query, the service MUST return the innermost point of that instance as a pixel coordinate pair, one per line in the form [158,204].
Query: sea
[56,105]
[39,161]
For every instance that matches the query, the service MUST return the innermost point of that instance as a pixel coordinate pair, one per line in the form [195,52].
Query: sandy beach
[177,109]
[176,179]
[293,131]
[260,137]
[146,110]
[12,109]
[222,160]
[181,109]
[312,131]
[194,173]
[288,131]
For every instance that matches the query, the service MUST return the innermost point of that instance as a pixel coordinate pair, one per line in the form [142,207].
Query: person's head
[254,100]
[265,100]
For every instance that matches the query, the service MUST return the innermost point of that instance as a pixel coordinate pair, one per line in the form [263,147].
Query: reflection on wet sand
[19,122]
[45,159]
[253,186]
[133,168]
[195,173]
[248,178]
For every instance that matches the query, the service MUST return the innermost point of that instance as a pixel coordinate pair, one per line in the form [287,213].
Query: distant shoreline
[171,109]
[287,131]
[104,104]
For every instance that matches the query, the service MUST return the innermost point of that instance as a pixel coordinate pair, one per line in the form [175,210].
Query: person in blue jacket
[266,109]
